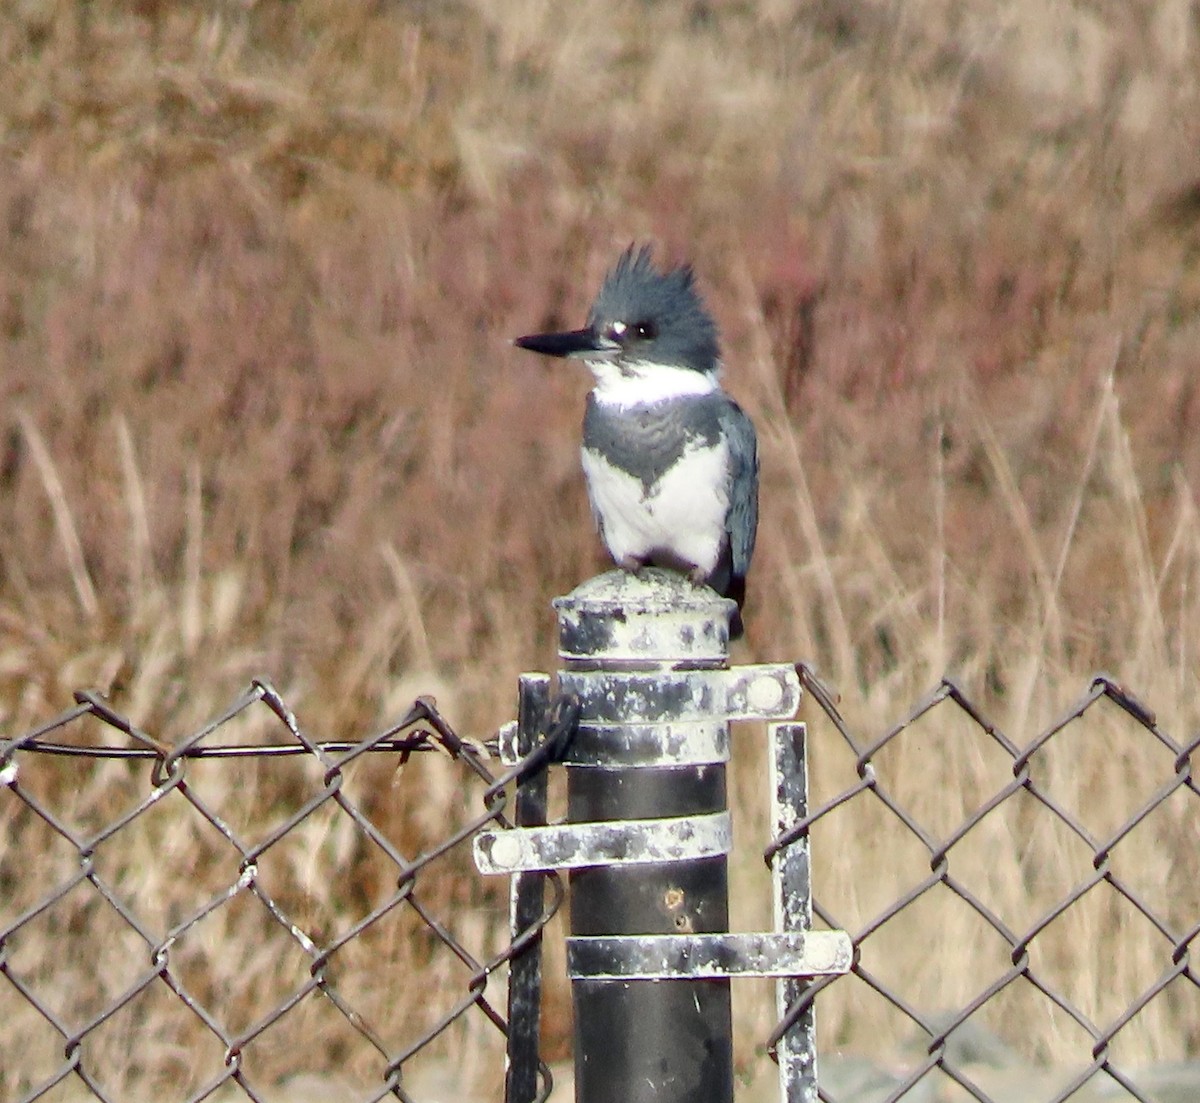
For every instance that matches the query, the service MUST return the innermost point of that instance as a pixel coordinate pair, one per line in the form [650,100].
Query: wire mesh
[1135,868]
[262,910]
[225,915]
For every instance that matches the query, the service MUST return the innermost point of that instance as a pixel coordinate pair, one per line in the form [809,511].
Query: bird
[670,460]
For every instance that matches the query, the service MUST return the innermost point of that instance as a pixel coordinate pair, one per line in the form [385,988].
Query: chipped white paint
[617,842]
[506,851]
[507,737]
[792,897]
[686,743]
[766,695]
[707,956]
[654,617]
[632,697]
[309,946]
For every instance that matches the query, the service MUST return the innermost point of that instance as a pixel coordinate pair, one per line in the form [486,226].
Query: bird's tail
[737,591]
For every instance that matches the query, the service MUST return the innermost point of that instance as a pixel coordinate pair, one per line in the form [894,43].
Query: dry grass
[259,263]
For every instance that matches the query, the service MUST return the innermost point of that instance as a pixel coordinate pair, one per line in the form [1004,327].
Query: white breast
[683,513]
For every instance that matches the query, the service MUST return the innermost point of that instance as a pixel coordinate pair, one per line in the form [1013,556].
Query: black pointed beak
[575,343]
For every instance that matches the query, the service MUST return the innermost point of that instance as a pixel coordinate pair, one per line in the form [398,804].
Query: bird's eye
[623,332]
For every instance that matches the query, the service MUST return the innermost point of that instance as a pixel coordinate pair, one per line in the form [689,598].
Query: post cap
[654,615]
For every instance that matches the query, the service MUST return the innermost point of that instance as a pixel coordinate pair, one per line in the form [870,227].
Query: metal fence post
[645,1039]
[526,898]
[650,956]
[791,881]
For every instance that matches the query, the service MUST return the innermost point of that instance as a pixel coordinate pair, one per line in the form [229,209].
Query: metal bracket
[684,743]
[616,842]
[698,956]
[765,691]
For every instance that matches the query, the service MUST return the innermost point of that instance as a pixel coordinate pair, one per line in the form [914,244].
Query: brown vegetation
[260,262]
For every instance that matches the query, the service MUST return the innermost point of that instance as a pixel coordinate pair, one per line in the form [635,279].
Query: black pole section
[641,1039]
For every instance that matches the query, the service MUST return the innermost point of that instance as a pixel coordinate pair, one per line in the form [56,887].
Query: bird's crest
[635,292]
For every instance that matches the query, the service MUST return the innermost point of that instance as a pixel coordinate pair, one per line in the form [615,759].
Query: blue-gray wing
[742,519]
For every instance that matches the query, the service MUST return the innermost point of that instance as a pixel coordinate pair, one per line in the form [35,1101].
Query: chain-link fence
[238,913]
[1023,915]
[248,908]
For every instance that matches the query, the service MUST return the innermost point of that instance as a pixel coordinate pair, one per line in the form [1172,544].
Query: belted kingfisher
[671,461]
